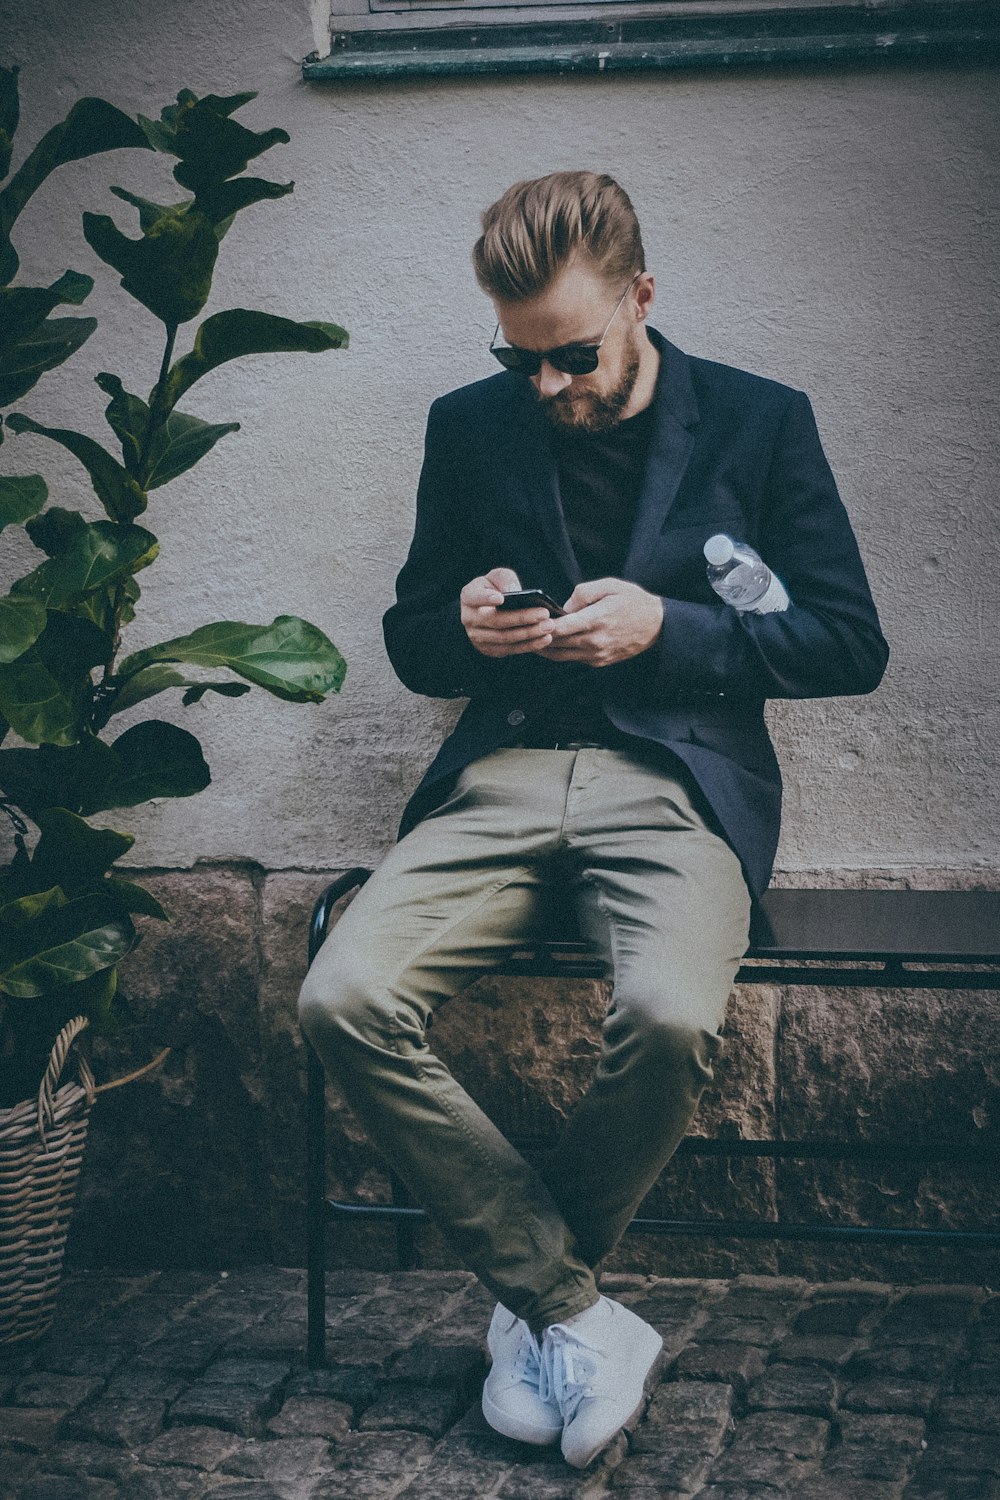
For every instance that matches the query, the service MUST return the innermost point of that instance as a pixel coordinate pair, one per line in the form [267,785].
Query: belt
[554,742]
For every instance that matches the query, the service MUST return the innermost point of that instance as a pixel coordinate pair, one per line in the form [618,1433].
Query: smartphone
[530,599]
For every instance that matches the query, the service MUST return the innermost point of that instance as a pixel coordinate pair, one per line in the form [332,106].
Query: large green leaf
[91,126]
[128,418]
[22,308]
[158,677]
[155,759]
[221,200]
[117,491]
[97,556]
[149,212]
[21,623]
[56,530]
[63,944]
[73,855]
[162,133]
[53,776]
[17,914]
[170,269]
[240,331]
[289,657]
[9,109]
[48,345]
[178,445]
[72,286]
[182,442]
[13,876]
[211,146]
[97,1000]
[135,898]
[21,497]
[128,592]
[45,694]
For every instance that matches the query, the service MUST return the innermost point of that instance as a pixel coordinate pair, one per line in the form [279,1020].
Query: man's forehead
[572,309]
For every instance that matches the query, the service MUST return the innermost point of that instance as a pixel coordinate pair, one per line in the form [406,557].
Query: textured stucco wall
[833,229]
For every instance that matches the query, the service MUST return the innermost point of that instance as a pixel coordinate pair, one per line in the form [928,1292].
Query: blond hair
[540,225]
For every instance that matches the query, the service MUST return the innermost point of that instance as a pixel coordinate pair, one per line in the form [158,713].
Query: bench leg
[315,1209]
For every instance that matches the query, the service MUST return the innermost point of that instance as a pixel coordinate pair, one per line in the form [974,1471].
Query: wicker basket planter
[41,1148]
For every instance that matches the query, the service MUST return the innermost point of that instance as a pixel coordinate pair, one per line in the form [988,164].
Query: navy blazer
[730,452]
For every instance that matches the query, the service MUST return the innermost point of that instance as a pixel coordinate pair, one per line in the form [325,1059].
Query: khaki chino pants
[660,895]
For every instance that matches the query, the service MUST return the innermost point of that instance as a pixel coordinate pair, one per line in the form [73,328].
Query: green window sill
[830,35]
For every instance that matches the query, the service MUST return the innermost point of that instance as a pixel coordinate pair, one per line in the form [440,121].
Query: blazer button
[515,717]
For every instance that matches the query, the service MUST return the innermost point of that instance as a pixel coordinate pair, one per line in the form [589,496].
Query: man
[618,750]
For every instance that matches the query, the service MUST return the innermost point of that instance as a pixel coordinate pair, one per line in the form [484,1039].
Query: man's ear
[645,293]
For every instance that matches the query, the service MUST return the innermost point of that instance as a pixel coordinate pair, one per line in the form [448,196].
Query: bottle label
[774,600]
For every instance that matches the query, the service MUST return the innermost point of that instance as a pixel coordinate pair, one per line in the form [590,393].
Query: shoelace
[528,1360]
[568,1370]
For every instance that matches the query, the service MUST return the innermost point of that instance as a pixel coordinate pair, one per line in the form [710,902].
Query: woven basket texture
[41,1148]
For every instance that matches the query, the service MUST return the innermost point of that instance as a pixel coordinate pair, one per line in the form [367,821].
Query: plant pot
[41,1148]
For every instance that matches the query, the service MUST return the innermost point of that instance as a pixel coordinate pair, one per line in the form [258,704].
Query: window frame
[438,38]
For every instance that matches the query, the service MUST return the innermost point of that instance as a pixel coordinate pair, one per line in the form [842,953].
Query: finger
[480,592]
[517,648]
[577,650]
[504,579]
[504,633]
[506,619]
[536,645]
[590,592]
[571,625]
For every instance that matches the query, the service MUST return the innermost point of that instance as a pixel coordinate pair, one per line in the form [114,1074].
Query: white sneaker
[598,1367]
[511,1400]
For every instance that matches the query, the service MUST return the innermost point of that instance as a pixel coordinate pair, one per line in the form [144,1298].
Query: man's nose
[549,381]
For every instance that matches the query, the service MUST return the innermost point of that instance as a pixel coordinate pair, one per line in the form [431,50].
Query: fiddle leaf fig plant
[66,910]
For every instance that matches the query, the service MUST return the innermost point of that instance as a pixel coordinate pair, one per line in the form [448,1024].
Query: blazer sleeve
[828,642]
[424,636]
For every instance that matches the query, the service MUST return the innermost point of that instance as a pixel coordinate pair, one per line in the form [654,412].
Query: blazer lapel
[676,415]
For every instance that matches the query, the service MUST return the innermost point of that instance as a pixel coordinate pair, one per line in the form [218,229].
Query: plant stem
[157,405]
[156,419]
[117,607]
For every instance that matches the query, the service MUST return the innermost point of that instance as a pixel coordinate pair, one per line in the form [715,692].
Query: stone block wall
[203,1163]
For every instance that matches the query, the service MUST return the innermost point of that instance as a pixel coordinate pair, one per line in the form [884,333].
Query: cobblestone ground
[193,1386]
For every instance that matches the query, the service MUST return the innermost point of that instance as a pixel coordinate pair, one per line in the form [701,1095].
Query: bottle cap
[719,549]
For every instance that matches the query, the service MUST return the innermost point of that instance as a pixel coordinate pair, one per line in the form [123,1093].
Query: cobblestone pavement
[193,1386]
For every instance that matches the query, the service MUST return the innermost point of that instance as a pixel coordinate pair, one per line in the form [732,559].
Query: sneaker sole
[653,1376]
[501,1421]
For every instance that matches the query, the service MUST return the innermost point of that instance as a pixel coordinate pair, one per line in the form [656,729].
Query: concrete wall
[834,229]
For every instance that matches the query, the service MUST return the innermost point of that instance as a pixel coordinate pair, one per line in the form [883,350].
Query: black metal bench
[873,939]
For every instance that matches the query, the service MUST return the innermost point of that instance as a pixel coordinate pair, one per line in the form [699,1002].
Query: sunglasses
[570,359]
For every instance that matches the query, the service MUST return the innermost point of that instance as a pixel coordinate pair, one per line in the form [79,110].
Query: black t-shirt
[600,477]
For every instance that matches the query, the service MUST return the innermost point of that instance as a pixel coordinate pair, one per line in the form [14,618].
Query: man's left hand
[606,621]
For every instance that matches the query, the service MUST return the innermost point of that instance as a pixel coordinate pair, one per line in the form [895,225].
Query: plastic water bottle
[741,579]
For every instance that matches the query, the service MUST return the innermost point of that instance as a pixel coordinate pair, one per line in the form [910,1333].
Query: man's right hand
[507,632]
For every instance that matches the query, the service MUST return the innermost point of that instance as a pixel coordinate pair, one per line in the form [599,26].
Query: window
[389,38]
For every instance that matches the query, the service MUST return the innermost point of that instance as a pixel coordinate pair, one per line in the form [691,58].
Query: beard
[589,411]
